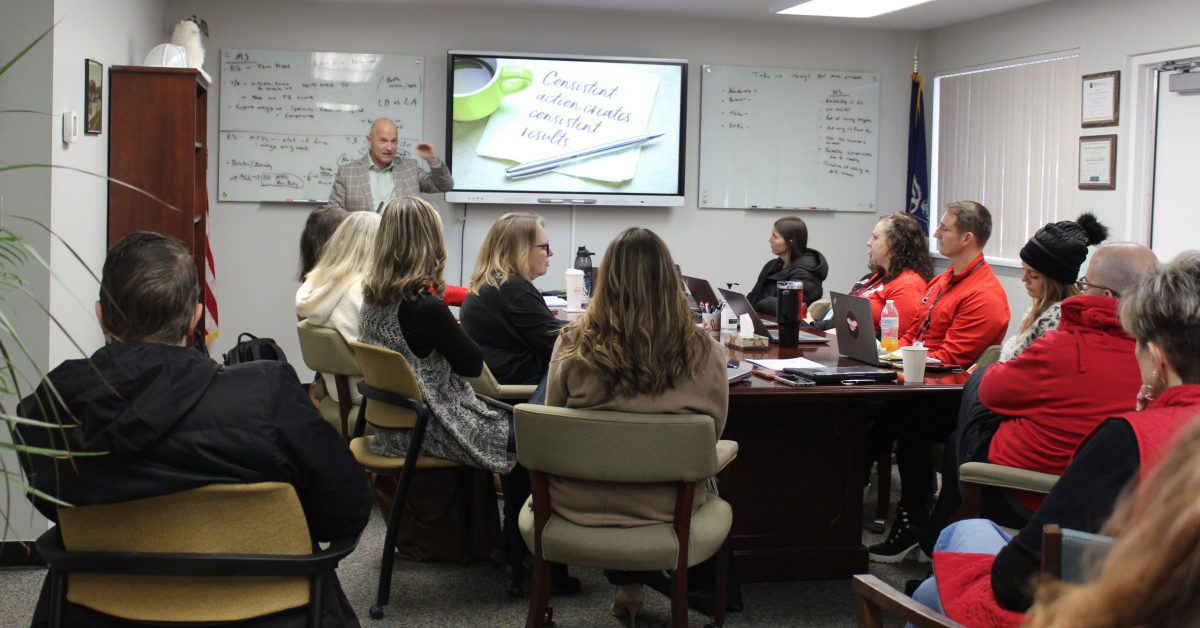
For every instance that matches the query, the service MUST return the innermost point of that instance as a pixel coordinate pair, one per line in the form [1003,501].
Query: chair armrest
[875,595]
[495,403]
[515,392]
[50,548]
[727,450]
[987,474]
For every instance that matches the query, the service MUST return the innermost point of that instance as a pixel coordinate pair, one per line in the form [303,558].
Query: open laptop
[741,306]
[856,340]
[701,291]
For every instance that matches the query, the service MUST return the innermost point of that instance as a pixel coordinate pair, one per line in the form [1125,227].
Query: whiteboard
[778,138]
[290,118]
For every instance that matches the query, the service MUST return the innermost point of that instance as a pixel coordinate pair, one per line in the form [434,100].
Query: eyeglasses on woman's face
[545,247]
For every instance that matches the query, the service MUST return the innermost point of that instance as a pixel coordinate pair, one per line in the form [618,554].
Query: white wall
[1106,34]
[115,32]
[256,244]
[24,138]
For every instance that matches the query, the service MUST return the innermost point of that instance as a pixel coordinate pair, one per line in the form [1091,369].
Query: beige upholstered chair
[625,448]
[819,308]
[250,540]
[392,399]
[486,386]
[325,351]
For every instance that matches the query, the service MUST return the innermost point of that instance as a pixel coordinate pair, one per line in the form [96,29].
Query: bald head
[382,140]
[1118,266]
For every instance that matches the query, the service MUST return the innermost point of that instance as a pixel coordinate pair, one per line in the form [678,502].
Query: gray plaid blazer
[352,186]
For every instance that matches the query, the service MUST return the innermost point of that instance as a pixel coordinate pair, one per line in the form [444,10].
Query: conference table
[796,486]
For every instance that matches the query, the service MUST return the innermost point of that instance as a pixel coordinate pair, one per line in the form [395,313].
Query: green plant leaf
[6,66]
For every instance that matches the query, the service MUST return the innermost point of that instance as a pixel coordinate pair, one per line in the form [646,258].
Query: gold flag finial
[916,58]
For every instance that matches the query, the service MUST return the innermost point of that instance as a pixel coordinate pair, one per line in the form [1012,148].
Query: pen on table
[554,161]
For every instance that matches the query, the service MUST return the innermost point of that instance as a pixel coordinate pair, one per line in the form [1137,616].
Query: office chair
[392,399]
[1068,555]
[325,351]
[229,552]
[623,448]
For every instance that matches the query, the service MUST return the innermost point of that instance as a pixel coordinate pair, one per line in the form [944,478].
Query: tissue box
[754,342]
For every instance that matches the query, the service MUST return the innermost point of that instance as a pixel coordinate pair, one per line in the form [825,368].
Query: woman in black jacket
[504,313]
[794,262]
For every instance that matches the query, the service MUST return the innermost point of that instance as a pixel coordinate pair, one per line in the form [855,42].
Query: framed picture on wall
[1098,162]
[1101,99]
[93,96]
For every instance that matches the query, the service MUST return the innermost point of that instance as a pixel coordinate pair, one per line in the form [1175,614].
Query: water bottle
[729,320]
[889,327]
[583,261]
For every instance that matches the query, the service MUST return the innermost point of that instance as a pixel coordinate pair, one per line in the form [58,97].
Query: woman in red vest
[1146,579]
[985,577]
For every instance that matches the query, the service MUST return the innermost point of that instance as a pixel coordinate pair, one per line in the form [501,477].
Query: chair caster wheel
[516,591]
[376,612]
[549,616]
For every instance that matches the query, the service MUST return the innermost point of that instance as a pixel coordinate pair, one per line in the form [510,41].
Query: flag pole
[916,57]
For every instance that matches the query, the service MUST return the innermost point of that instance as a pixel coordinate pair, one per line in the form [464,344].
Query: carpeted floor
[442,594]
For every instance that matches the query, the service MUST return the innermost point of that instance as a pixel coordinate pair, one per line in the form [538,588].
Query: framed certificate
[1101,99]
[1098,162]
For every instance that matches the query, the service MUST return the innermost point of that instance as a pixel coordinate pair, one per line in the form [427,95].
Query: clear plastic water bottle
[889,327]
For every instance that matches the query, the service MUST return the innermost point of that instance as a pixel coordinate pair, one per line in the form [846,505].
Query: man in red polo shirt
[965,310]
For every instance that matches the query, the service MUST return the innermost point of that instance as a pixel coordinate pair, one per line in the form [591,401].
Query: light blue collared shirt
[383,184]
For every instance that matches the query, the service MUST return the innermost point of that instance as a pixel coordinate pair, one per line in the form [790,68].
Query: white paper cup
[914,364]
[574,278]
[711,321]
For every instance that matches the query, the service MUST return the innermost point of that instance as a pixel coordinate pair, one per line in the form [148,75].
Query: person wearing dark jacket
[171,419]
[794,262]
[504,313]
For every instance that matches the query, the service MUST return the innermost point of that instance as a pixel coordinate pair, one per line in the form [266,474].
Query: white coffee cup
[914,364]
[574,280]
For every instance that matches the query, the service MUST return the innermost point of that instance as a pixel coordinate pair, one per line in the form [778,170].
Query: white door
[1175,223]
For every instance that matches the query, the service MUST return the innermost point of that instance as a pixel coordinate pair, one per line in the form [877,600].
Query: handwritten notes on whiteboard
[776,138]
[289,119]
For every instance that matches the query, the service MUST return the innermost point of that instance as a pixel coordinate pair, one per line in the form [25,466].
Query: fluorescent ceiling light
[849,8]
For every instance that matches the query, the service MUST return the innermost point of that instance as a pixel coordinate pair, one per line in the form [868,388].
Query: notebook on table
[741,306]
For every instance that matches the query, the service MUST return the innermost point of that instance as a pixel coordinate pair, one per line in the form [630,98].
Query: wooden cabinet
[158,143]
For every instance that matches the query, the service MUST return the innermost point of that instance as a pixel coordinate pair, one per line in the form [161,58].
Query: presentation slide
[526,124]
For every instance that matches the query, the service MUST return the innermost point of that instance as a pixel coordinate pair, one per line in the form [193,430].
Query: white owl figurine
[187,34]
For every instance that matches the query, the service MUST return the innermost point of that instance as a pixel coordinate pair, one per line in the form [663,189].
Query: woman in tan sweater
[635,350]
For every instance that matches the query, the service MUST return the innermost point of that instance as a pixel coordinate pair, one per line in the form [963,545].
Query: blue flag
[917,204]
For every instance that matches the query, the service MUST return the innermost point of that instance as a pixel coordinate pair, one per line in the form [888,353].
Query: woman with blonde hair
[505,313]
[1051,261]
[1150,576]
[635,349]
[331,295]
[402,311]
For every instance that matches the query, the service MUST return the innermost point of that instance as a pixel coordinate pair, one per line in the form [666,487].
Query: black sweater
[428,324]
[514,328]
[1082,499]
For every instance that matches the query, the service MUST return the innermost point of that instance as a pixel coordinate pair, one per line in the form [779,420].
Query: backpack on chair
[250,348]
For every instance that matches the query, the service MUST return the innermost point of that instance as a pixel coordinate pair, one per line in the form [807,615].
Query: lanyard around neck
[938,297]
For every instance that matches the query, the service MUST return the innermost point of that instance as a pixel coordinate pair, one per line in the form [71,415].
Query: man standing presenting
[370,182]
[965,310]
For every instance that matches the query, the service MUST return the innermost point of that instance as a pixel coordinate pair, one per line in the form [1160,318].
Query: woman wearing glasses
[504,312]
[1051,260]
